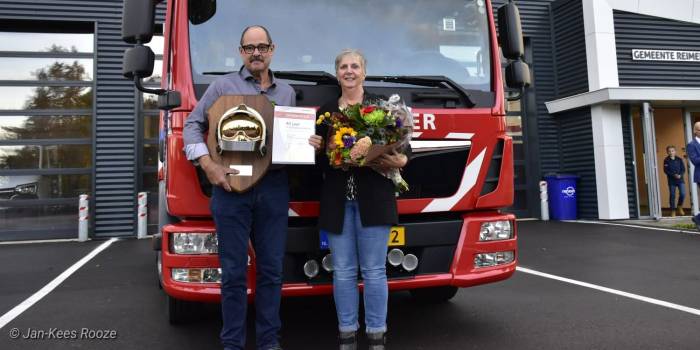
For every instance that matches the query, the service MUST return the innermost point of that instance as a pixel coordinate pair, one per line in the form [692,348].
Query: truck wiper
[427,80]
[300,75]
[312,76]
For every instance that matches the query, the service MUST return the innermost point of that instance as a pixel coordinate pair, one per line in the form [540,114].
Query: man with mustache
[263,209]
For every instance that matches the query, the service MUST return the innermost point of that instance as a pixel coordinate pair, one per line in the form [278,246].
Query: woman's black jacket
[375,193]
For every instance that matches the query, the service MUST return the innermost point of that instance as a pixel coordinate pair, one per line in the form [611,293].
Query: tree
[57,126]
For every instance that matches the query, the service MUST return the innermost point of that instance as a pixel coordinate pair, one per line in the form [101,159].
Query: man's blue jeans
[259,214]
[366,246]
[672,194]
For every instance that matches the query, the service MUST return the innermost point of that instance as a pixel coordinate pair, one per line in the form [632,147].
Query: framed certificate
[291,131]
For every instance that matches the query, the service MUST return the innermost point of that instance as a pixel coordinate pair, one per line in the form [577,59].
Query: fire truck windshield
[399,38]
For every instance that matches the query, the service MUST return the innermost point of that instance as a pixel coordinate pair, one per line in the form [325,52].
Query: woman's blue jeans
[672,194]
[367,247]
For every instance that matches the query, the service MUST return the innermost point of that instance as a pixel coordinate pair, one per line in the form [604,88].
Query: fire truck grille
[434,174]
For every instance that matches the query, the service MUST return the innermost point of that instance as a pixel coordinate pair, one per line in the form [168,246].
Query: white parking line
[613,291]
[27,303]
[634,226]
[40,241]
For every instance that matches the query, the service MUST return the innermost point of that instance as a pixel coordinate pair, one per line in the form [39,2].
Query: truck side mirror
[138,62]
[511,40]
[169,99]
[518,75]
[138,17]
[201,11]
[510,32]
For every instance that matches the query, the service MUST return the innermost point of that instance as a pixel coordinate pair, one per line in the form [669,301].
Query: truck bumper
[446,249]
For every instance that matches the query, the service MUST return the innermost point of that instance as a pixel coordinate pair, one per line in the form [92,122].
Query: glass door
[651,166]
[646,164]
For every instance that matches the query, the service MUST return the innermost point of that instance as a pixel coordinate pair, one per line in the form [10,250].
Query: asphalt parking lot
[115,296]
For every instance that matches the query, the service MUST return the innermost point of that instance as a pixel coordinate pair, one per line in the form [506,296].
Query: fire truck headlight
[327,263]
[493,259]
[496,230]
[311,268]
[26,189]
[409,262]
[194,243]
[395,257]
[208,275]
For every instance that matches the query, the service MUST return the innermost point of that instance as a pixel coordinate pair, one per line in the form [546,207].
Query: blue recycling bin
[561,194]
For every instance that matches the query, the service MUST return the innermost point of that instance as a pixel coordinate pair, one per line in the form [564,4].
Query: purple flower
[348,141]
[398,123]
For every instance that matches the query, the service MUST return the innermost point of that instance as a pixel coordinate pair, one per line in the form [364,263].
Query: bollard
[142,214]
[83,218]
[544,202]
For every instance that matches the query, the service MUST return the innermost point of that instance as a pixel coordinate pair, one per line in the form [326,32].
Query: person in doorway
[263,209]
[693,150]
[674,169]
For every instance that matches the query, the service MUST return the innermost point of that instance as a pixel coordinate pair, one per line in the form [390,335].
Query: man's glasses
[262,48]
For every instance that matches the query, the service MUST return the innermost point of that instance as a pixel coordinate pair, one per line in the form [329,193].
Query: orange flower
[338,159]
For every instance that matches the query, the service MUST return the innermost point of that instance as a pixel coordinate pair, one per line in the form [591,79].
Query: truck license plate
[397,238]
[323,238]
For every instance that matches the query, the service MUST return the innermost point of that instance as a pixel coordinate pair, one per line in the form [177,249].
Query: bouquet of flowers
[361,133]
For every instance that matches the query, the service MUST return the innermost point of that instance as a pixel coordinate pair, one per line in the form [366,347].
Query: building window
[46,118]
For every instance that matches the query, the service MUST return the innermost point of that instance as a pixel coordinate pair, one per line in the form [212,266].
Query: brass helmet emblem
[241,129]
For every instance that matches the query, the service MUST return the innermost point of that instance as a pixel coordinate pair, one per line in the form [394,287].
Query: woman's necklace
[344,102]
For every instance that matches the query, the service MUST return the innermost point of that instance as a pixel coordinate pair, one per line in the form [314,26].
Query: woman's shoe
[376,341]
[348,340]
[673,212]
[681,212]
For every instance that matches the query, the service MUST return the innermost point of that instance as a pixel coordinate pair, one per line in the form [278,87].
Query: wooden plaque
[259,163]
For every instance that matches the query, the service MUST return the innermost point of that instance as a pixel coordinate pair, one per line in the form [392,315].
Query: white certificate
[290,137]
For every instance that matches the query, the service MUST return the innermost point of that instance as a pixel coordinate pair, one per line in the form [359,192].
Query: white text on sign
[423,121]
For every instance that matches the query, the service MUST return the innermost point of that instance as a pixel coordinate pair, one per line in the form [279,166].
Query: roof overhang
[657,96]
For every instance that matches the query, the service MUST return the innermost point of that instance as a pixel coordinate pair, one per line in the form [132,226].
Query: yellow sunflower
[338,137]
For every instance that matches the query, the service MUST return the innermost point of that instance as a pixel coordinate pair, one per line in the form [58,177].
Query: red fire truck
[441,57]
